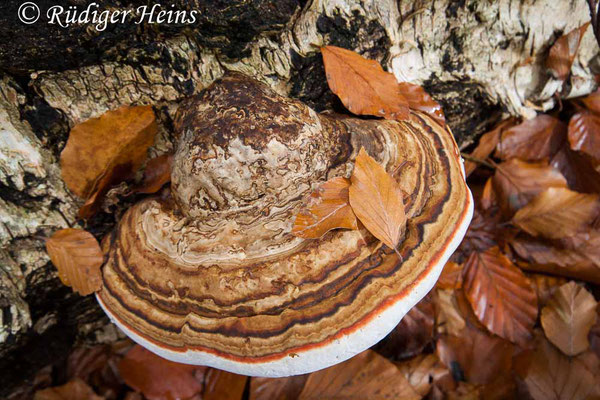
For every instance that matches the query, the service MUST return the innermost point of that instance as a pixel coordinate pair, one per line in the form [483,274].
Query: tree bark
[481,59]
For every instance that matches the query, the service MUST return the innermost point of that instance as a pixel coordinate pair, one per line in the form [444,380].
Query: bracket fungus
[212,274]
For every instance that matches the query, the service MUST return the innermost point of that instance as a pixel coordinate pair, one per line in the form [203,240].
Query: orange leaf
[517,182]
[327,208]
[76,389]
[377,200]
[584,133]
[219,385]
[362,85]
[592,101]
[156,174]
[563,51]
[557,213]
[487,143]
[501,295]
[157,378]
[533,140]
[568,318]
[77,256]
[103,151]
[365,376]
[451,277]
[287,388]
[419,99]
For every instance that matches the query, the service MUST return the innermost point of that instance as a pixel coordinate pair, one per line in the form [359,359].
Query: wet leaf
[103,151]
[584,133]
[77,256]
[219,385]
[156,174]
[362,85]
[501,295]
[563,51]
[365,376]
[568,317]
[75,389]
[516,182]
[533,140]
[424,371]
[377,200]
[288,388]
[326,208]
[556,213]
[487,144]
[592,101]
[419,99]
[157,378]
[578,169]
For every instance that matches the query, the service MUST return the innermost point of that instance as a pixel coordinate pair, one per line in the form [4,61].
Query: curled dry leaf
[516,182]
[377,200]
[584,133]
[563,51]
[365,376]
[487,144]
[103,151]
[362,85]
[578,169]
[419,99]
[287,388]
[424,371]
[156,174]
[556,213]
[75,389]
[501,295]
[77,256]
[327,208]
[533,140]
[568,318]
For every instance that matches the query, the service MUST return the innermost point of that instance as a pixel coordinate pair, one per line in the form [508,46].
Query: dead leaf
[449,318]
[578,169]
[377,200]
[475,356]
[288,388]
[221,385]
[75,389]
[516,182]
[532,140]
[487,144]
[362,85]
[365,376]
[103,151]
[556,213]
[157,378]
[480,236]
[553,376]
[156,174]
[488,196]
[584,133]
[419,99]
[544,286]
[501,295]
[424,371]
[326,208]
[451,277]
[563,51]
[568,317]
[77,256]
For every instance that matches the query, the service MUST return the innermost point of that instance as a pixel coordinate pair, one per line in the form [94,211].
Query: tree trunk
[481,59]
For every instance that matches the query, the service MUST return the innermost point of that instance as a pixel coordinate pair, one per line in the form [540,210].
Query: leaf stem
[477,160]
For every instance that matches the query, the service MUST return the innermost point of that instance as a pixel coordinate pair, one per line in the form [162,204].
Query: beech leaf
[487,142]
[377,200]
[75,389]
[533,140]
[362,85]
[156,174]
[419,99]
[77,256]
[287,388]
[563,51]
[501,295]
[578,169]
[568,318]
[557,213]
[425,370]
[451,276]
[327,208]
[584,133]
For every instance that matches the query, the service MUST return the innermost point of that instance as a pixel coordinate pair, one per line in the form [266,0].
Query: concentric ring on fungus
[212,275]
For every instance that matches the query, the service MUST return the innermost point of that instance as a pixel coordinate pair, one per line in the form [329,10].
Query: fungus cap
[212,276]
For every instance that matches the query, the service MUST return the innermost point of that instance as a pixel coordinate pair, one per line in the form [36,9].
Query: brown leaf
[451,277]
[556,213]
[516,182]
[103,151]
[377,200]
[488,196]
[475,355]
[487,144]
[157,378]
[365,376]
[75,389]
[578,169]
[424,371]
[584,133]
[156,174]
[288,388]
[449,318]
[533,140]
[554,376]
[563,51]
[412,334]
[327,208]
[219,385]
[592,101]
[480,236]
[419,99]
[501,295]
[77,256]
[544,286]
[362,85]
[568,317]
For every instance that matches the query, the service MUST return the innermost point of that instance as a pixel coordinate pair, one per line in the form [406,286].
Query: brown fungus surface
[214,275]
